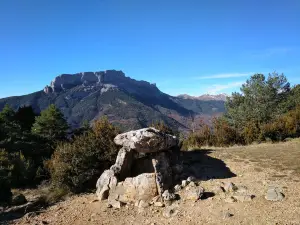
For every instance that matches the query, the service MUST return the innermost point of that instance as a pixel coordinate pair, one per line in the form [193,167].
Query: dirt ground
[257,167]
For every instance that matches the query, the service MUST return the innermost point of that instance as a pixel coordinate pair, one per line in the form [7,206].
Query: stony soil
[256,167]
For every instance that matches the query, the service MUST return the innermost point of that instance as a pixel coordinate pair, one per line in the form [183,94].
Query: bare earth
[256,167]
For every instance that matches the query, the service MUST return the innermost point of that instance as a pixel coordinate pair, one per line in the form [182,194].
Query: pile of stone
[142,170]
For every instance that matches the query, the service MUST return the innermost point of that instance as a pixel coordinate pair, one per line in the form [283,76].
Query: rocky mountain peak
[114,77]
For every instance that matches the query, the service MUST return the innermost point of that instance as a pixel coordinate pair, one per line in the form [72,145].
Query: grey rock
[19,199]
[168,196]
[163,171]
[146,140]
[230,187]
[184,183]
[123,164]
[105,183]
[194,193]
[177,188]
[191,179]
[274,194]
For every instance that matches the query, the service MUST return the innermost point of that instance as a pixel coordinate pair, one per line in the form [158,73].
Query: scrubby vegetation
[34,148]
[77,164]
[266,109]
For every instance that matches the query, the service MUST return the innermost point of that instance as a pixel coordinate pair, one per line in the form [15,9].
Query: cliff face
[67,81]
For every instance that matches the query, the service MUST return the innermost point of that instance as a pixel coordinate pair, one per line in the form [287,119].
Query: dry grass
[282,157]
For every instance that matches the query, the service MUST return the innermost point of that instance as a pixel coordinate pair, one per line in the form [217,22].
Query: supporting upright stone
[163,171]
[122,167]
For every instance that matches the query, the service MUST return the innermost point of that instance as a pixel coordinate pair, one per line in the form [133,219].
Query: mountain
[206,97]
[128,103]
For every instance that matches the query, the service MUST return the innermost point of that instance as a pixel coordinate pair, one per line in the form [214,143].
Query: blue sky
[185,46]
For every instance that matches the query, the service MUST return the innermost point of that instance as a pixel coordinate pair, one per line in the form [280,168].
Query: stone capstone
[146,140]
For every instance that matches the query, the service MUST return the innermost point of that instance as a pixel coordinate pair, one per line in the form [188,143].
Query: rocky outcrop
[146,140]
[142,169]
[68,81]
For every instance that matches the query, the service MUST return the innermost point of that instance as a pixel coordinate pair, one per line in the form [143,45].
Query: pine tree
[51,124]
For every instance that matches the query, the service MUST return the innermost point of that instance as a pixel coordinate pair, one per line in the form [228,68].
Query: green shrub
[77,165]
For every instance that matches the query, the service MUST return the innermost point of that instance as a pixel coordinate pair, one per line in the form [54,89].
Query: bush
[285,126]
[224,134]
[77,165]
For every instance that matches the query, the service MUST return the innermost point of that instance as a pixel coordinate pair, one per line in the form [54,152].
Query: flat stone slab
[146,140]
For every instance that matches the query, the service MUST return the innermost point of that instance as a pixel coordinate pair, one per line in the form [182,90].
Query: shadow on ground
[199,164]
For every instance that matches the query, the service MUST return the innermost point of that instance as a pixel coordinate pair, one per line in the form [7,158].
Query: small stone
[230,187]
[184,183]
[230,200]
[94,200]
[159,204]
[191,178]
[194,193]
[274,194]
[218,189]
[167,196]
[177,188]
[109,206]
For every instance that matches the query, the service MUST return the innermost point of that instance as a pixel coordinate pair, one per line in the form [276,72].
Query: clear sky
[185,46]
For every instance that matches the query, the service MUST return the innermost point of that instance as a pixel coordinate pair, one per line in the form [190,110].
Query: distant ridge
[206,97]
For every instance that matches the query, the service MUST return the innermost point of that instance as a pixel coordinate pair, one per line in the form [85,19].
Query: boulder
[194,193]
[142,187]
[146,140]
[105,183]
